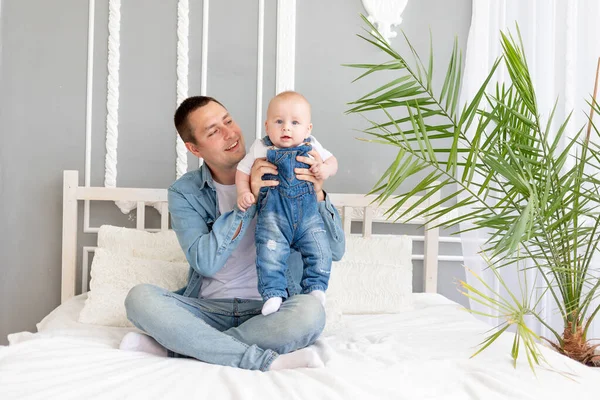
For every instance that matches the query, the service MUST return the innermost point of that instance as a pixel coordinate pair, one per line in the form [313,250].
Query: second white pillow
[374,276]
[114,274]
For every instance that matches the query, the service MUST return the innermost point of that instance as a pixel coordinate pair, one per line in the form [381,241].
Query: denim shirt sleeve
[333,226]
[206,248]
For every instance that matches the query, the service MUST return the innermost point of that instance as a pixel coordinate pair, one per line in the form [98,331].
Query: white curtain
[562,48]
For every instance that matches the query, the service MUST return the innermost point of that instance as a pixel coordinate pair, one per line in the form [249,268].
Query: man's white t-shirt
[238,276]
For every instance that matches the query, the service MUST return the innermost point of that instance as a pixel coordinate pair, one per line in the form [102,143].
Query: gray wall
[43,54]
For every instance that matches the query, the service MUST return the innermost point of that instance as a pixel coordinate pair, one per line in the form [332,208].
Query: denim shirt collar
[206,177]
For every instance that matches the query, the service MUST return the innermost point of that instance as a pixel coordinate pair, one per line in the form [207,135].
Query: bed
[420,351]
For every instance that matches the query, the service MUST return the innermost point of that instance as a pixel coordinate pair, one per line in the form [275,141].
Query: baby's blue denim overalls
[288,218]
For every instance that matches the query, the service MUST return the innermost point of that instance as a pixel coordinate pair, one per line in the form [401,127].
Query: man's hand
[245,200]
[305,174]
[260,167]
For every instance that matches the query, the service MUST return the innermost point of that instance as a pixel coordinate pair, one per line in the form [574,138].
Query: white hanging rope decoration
[112,96]
[183,29]
[204,67]
[112,101]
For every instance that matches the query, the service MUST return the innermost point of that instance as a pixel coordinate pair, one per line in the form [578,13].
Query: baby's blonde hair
[289,94]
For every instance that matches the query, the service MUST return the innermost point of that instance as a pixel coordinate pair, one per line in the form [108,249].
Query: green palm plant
[538,201]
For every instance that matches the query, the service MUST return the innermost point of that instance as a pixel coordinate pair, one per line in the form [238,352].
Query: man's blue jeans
[229,332]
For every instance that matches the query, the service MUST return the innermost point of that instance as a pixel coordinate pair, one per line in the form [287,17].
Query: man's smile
[233,146]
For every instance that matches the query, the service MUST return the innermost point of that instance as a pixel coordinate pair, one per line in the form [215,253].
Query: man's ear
[192,148]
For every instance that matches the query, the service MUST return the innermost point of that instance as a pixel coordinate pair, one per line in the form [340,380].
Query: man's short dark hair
[183,111]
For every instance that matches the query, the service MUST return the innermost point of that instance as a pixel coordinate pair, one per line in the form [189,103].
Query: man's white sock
[320,295]
[134,341]
[305,358]
[271,305]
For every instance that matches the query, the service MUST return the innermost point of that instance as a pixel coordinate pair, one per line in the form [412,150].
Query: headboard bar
[124,194]
[69,234]
[140,220]
[431,251]
[368,222]
[347,219]
[164,216]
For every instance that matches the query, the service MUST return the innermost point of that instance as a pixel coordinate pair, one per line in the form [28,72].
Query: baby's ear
[309,130]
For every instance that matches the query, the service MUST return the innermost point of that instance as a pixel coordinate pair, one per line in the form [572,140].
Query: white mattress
[422,353]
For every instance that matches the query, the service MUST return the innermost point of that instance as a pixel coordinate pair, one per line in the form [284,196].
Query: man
[217,317]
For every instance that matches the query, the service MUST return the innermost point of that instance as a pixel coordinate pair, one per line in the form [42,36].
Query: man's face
[218,138]
[288,121]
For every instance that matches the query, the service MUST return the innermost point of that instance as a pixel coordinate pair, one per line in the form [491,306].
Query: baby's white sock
[305,358]
[271,305]
[320,295]
[134,341]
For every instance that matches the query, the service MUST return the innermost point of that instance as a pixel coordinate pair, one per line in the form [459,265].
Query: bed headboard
[353,207]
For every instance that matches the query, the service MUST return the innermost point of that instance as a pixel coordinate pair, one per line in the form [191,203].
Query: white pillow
[161,245]
[374,276]
[385,249]
[114,274]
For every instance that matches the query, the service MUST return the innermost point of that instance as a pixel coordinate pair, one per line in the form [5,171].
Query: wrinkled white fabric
[421,353]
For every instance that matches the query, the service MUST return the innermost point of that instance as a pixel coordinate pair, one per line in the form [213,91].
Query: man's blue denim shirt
[206,236]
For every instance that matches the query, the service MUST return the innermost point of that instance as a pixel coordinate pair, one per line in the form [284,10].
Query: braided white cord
[204,67]
[112,101]
[112,96]
[183,28]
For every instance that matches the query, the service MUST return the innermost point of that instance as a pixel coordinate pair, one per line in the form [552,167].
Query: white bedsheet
[422,353]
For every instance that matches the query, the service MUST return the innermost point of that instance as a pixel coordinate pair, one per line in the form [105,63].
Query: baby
[288,216]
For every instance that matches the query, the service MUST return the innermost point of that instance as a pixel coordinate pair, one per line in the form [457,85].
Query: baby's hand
[321,171]
[245,200]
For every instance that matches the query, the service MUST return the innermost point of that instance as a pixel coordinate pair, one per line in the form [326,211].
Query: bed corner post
[69,234]
[431,252]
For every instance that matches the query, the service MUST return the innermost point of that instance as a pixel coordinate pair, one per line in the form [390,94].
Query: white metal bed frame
[353,207]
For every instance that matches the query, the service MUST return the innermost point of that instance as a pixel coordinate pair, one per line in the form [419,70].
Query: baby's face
[288,121]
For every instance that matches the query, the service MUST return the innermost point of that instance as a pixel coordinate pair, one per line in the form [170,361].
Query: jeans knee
[312,318]
[138,299]
[300,322]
